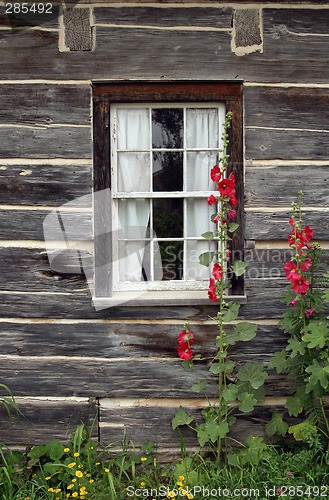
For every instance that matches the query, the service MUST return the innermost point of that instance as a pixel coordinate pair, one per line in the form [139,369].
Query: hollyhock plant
[241,394]
[305,359]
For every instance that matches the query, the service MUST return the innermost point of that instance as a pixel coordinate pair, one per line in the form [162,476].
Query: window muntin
[161,155]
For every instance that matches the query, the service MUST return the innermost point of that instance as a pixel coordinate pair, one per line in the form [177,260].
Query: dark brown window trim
[104,94]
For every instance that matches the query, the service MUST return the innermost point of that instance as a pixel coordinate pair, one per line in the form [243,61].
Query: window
[154,146]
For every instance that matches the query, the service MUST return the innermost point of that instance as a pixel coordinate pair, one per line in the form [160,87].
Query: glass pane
[167,171]
[133,172]
[133,130]
[133,218]
[134,262]
[193,269]
[198,171]
[202,128]
[199,217]
[168,218]
[167,128]
[172,259]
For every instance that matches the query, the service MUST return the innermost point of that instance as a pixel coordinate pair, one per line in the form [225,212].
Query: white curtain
[133,176]
[202,132]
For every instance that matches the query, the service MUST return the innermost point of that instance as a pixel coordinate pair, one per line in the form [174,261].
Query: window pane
[133,128]
[167,128]
[133,261]
[133,172]
[202,129]
[198,171]
[167,171]
[193,269]
[199,217]
[133,218]
[172,259]
[168,218]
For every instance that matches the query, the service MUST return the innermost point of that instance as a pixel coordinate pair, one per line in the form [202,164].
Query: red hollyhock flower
[309,313]
[308,233]
[185,336]
[217,272]
[215,174]
[231,214]
[212,290]
[296,240]
[184,351]
[216,219]
[233,201]
[300,285]
[305,265]
[293,302]
[291,270]
[226,186]
[211,200]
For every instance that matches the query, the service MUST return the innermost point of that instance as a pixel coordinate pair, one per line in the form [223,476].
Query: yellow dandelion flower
[27,498]
[70,486]
[182,478]
[80,466]
[142,484]
[74,480]
[76,454]
[78,473]
[47,478]
[179,483]
[71,465]
[91,480]
[97,463]
[66,450]
[57,490]
[68,495]
[88,475]
[75,494]
[106,470]
[51,490]
[143,459]
[171,494]
[184,492]
[190,496]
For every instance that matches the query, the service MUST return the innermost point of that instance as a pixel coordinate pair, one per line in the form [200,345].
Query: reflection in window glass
[167,171]
[167,128]
[168,217]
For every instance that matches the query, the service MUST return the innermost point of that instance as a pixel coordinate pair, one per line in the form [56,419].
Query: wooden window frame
[131,92]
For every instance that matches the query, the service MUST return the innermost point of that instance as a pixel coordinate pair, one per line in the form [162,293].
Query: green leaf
[38,451]
[233,226]
[296,347]
[316,334]
[302,431]
[212,431]
[181,418]
[253,373]
[206,258]
[319,374]
[294,405]
[231,312]
[247,402]
[199,386]
[55,450]
[243,331]
[217,368]
[255,449]
[279,362]
[208,235]
[239,267]
[276,426]
[230,393]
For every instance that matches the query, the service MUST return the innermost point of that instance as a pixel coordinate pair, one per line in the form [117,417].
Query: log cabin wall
[64,361]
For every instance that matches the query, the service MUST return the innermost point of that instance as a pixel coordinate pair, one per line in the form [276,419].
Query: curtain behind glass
[133,176]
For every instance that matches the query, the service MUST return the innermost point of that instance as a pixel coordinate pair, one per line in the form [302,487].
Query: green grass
[77,469]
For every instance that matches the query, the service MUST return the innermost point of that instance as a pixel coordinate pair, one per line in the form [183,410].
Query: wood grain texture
[275,185]
[77,29]
[43,420]
[29,225]
[247,27]
[286,57]
[273,225]
[46,184]
[157,16]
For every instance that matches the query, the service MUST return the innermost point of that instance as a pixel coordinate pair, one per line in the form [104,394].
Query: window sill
[160,298]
